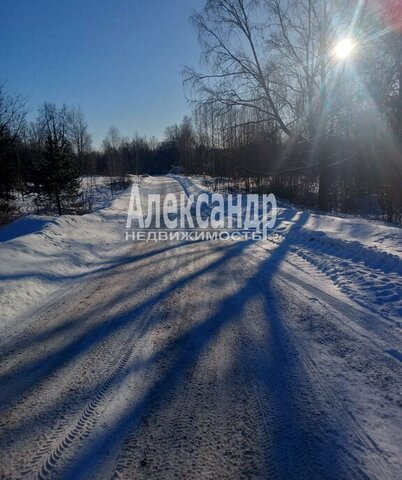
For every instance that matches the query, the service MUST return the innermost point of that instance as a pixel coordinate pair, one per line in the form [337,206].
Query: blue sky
[119,60]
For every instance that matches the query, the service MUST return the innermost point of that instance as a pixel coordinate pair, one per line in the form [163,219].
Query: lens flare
[344,48]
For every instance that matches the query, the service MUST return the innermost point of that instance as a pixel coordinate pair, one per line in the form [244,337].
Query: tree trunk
[58,202]
[323,189]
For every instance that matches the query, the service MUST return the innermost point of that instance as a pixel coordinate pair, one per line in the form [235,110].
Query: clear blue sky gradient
[119,60]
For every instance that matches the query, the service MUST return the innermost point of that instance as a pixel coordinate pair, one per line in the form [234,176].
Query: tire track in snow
[47,458]
[87,420]
[366,320]
[94,409]
[204,418]
[65,414]
[305,382]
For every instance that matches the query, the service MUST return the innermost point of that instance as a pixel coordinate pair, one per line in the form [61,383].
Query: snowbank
[361,257]
[383,238]
[40,254]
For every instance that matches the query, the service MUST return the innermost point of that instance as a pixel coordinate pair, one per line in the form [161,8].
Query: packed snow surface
[271,359]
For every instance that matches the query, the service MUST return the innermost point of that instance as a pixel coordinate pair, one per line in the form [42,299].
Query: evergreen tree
[12,119]
[8,163]
[56,168]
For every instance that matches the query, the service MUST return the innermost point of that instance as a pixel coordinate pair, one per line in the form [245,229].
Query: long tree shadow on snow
[295,445]
[298,449]
[21,379]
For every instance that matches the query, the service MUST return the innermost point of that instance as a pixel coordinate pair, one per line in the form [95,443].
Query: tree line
[304,97]
[277,107]
[49,156]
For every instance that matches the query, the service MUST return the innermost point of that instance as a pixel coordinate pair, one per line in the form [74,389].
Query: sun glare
[344,48]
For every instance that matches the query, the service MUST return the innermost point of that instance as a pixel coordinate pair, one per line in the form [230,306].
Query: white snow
[39,254]
[282,357]
[361,257]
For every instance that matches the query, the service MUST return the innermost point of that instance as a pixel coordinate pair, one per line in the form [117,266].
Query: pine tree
[8,160]
[56,168]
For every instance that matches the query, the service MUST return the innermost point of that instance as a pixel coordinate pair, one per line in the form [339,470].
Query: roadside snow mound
[362,258]
[40,254]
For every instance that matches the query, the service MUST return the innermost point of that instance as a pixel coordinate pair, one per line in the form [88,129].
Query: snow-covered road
[211,360]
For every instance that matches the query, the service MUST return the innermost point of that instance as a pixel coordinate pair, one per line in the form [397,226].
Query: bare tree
[13,111]
[117,168]
[183,138]
[80,138]
[276,58]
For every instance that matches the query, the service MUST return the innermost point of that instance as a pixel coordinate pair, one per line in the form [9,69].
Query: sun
[344,48]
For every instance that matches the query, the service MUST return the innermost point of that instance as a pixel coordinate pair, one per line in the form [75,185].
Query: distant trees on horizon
[273,109]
